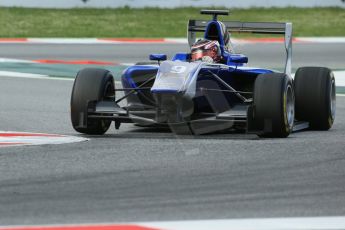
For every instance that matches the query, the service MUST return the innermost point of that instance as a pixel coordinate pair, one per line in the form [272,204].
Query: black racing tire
[273,101]
[315,94]
[90,84]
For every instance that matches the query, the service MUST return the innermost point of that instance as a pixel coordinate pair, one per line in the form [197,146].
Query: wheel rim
[333,98]
[109,93]
[290,106]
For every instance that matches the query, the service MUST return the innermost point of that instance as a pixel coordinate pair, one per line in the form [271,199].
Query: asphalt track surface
[138,174]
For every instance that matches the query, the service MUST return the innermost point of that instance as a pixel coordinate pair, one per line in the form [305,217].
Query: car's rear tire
[90,84]
[274,101]
[315,94]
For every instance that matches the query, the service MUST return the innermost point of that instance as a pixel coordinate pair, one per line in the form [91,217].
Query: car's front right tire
[90,85]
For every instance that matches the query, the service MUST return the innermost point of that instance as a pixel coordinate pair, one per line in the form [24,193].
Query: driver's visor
[198,54]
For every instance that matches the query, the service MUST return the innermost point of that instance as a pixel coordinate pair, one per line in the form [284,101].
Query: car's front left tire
[274,105]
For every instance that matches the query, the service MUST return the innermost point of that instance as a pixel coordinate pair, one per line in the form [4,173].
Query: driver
[206,50]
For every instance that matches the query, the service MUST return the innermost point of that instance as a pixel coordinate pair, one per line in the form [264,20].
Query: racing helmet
[206,50]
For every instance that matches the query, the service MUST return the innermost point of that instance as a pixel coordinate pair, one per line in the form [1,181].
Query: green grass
[154,22]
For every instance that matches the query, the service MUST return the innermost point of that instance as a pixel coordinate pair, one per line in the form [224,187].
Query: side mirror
[158,57]
[237,59]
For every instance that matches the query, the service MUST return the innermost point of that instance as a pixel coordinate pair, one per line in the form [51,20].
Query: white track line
[68,41]
[21,75]
[314,223]
[322,39]
[11,60]
[32,76]
[10,139]
[339,78]
[296,223]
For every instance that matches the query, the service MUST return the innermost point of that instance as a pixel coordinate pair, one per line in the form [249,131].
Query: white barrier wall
[170,3]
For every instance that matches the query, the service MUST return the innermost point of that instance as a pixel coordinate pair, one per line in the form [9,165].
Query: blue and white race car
[209,89]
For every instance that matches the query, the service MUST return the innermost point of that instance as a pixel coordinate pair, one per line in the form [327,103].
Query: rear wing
[285,29]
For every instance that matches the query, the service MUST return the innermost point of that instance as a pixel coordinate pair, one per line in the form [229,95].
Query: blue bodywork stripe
[251,71]
[164,91]
[127,73]
[180,56]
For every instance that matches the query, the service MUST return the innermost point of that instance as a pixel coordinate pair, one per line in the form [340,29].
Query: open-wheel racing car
[197,96]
